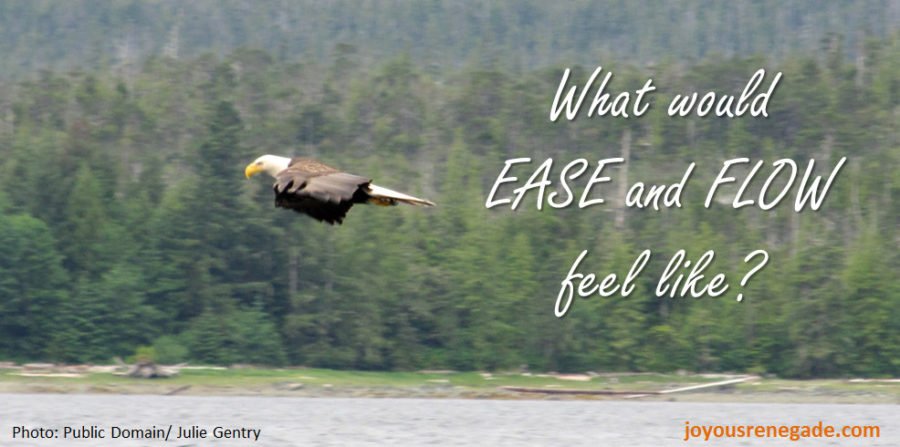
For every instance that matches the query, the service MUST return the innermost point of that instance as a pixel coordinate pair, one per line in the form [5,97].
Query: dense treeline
[126,223]
[119,34]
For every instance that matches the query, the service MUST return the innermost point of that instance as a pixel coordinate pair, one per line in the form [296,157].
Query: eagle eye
[259,163]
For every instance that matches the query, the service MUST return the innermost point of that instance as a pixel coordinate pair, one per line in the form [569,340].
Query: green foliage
[875,338]
[235,337]
[105,318]
[86,229]
[61,35]
[33,285]
[169,350]
[128,228]
[143,354]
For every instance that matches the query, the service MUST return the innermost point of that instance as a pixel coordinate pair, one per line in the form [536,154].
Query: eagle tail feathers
[379,195]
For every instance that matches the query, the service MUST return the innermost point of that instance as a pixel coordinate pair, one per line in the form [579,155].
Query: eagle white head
[270,164]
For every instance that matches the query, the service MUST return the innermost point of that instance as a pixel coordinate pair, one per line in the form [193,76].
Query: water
[423,422]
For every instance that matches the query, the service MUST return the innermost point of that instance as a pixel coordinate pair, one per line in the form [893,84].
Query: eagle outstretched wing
[321,191]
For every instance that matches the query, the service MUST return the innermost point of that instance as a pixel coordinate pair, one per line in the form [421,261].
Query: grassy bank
[309,382]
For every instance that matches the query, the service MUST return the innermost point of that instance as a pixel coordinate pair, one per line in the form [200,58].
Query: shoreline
[312,383]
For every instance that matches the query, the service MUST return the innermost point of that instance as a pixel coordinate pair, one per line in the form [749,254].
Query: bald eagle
[320,191]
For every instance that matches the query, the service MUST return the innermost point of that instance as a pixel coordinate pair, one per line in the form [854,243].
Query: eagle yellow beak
[252,169]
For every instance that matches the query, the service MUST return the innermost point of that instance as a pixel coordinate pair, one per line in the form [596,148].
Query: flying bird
[326,194]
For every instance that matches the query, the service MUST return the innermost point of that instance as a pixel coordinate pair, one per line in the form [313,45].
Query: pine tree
[33,286]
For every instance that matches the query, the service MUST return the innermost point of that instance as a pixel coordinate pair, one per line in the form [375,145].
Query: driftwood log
[149,370]
[629,394]
[522,389]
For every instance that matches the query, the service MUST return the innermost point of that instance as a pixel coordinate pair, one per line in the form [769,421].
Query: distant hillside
[90,34]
